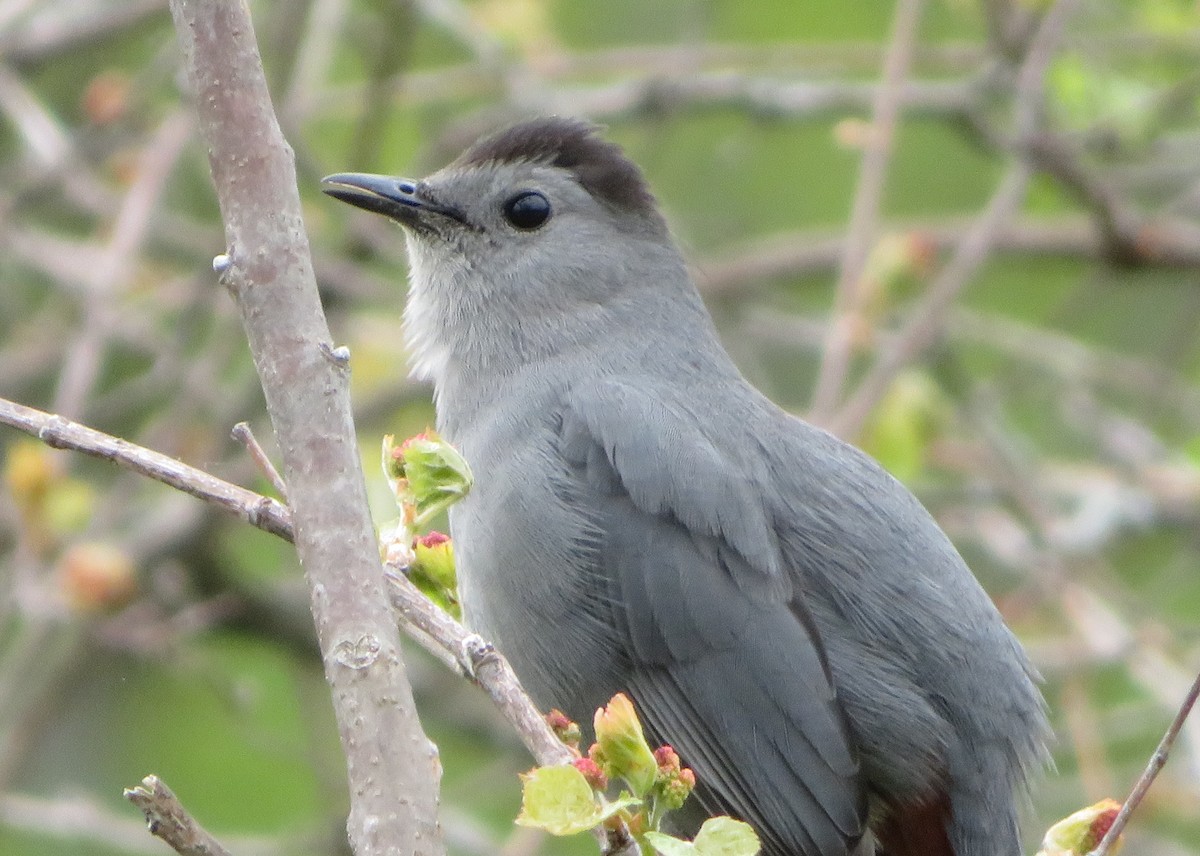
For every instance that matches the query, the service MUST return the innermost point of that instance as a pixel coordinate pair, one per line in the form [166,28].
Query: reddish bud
[667,760]
[674,782]
[557,720]
[431,539]
[564,728]
[592,772]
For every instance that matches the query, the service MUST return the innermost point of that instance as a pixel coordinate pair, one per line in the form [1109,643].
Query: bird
[781,610]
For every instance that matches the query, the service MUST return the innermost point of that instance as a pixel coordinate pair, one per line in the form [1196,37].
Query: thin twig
[864,213]
[244,435]
[60,433]
[169,820]
[448,637]
[1157,760]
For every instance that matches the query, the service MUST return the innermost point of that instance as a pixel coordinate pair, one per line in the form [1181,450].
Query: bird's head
[536,239]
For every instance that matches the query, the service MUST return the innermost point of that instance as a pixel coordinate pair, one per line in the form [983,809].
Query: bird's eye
[527,210]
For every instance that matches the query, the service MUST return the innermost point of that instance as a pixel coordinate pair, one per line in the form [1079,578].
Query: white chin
[428,358]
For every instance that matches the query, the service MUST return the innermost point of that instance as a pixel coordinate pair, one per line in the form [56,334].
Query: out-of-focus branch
[864,212]
[76,818]
[1169,244]
[926,324]
[83,361]
[63,27]
[392,767]
[169,820]
[756,96]
[79,818]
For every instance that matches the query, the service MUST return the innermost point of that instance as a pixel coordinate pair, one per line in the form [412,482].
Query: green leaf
[669,845]
[560,801]
[719,836]
[437,474]
[724,836]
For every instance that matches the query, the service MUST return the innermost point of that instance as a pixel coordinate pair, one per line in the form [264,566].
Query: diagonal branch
[170,821]
[1157,760]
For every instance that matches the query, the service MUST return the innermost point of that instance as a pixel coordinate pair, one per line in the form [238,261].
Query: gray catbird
[782,611]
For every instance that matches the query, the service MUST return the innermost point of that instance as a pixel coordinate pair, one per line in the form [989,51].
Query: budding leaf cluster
[569,799]
[426,475]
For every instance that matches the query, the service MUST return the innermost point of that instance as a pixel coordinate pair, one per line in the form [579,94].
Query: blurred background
[1014,335]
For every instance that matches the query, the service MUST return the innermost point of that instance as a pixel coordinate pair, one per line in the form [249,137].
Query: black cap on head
[599,166]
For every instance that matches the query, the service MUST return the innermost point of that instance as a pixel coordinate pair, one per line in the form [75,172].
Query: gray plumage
[782,611]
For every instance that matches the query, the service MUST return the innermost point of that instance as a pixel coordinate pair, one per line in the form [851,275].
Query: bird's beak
[383,194]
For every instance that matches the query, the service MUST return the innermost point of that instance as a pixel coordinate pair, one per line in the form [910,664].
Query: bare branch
[421,619]
[482,663]
[169,820]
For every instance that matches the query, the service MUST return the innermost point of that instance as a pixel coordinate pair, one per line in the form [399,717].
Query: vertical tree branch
[392,767]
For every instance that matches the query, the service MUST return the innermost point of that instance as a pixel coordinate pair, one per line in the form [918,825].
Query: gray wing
[722,661]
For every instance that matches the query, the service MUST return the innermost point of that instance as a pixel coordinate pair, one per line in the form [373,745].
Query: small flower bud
[566,730]
[592,772]
[674,782]
[666,759]
[1081,832]
[432,570]
[434,557]
[623,745]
